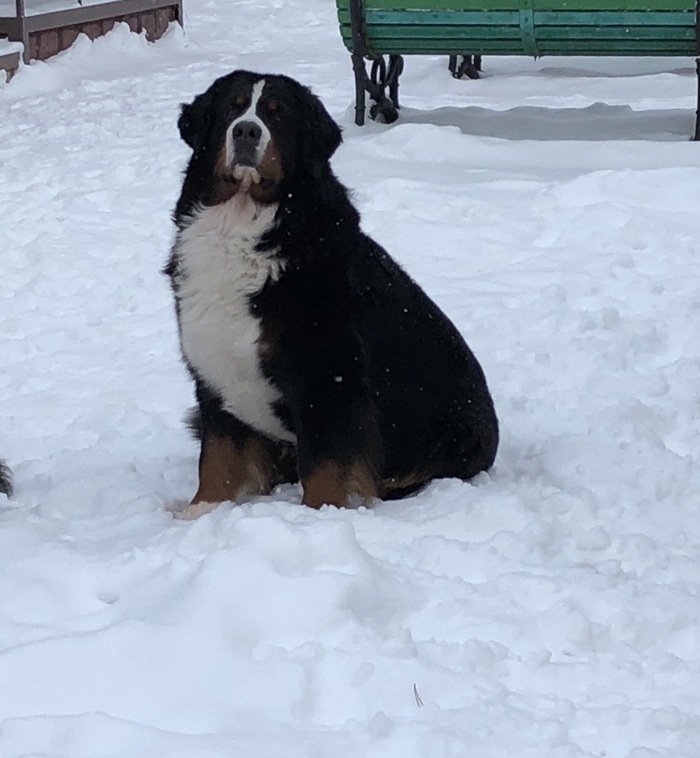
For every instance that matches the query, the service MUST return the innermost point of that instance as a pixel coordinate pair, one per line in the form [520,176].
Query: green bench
[378,33]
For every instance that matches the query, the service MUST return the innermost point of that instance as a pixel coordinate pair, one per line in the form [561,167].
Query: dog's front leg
[228,469]
[338,450]
[331,483]
[320,366]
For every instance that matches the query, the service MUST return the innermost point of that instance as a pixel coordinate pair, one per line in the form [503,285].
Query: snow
[7,47]
[549,608]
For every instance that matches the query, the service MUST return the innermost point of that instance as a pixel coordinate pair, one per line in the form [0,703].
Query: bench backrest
[517,27]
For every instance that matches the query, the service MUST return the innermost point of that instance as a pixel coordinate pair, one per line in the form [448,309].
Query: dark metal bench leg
[381,79]
[696,136]
[358,65]
[393,75]
[465,65]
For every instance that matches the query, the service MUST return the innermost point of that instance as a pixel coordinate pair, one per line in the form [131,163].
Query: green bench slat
[435,18]
[549,33]
[614,5]
[379,34]
[538,5]
[616,33]
[542,18]
[408,33]
[445,47]
[514,46]
[435,5]
[655,48]
[612,18]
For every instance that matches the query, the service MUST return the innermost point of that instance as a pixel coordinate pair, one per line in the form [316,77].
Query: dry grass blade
[419,701]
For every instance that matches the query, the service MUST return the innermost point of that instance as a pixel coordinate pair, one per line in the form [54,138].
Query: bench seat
[373,29]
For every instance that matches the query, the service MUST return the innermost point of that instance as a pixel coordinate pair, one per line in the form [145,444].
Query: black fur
[5,480]
[369,368]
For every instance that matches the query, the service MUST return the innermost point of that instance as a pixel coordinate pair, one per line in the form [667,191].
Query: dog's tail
[5,479]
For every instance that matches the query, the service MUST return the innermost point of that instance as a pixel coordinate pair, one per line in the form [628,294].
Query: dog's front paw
[194,511]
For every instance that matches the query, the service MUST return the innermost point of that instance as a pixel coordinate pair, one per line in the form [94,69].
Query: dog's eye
[273,109]
[240,100]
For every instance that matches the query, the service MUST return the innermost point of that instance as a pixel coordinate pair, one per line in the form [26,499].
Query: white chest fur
[219,269]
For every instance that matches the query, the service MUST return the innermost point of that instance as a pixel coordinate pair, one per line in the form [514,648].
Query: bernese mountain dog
[315,357]
[5,479]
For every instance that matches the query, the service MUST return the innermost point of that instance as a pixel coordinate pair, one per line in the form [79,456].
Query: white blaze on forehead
[252,116]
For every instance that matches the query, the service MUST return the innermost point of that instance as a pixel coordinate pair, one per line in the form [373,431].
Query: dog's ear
[195,119]
[322,134]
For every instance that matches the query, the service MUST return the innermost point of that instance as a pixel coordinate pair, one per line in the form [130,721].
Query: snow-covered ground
[550,609]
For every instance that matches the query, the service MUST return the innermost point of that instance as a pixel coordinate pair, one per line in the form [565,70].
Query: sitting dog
[315,357]
[5,480]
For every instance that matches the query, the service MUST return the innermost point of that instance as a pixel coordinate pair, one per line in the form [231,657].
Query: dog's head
[256,133]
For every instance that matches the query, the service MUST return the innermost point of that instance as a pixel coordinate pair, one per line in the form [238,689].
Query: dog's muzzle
[246,141]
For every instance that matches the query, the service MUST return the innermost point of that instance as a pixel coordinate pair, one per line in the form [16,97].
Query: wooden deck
[48,31]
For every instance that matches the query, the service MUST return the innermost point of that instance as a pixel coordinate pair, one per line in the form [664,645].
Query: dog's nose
[247,133]
[245,136]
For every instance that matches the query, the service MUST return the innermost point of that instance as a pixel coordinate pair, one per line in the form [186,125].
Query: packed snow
[548,609]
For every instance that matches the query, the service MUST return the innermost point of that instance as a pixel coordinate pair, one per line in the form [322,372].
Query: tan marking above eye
[241,100]
[273,105]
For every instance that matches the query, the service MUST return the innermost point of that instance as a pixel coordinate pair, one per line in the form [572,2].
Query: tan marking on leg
[332,485]
[222,471]
[362,483]
[408,482]
[324,487]
[228,473]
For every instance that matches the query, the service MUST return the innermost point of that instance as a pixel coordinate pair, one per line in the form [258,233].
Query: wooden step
[9,59]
